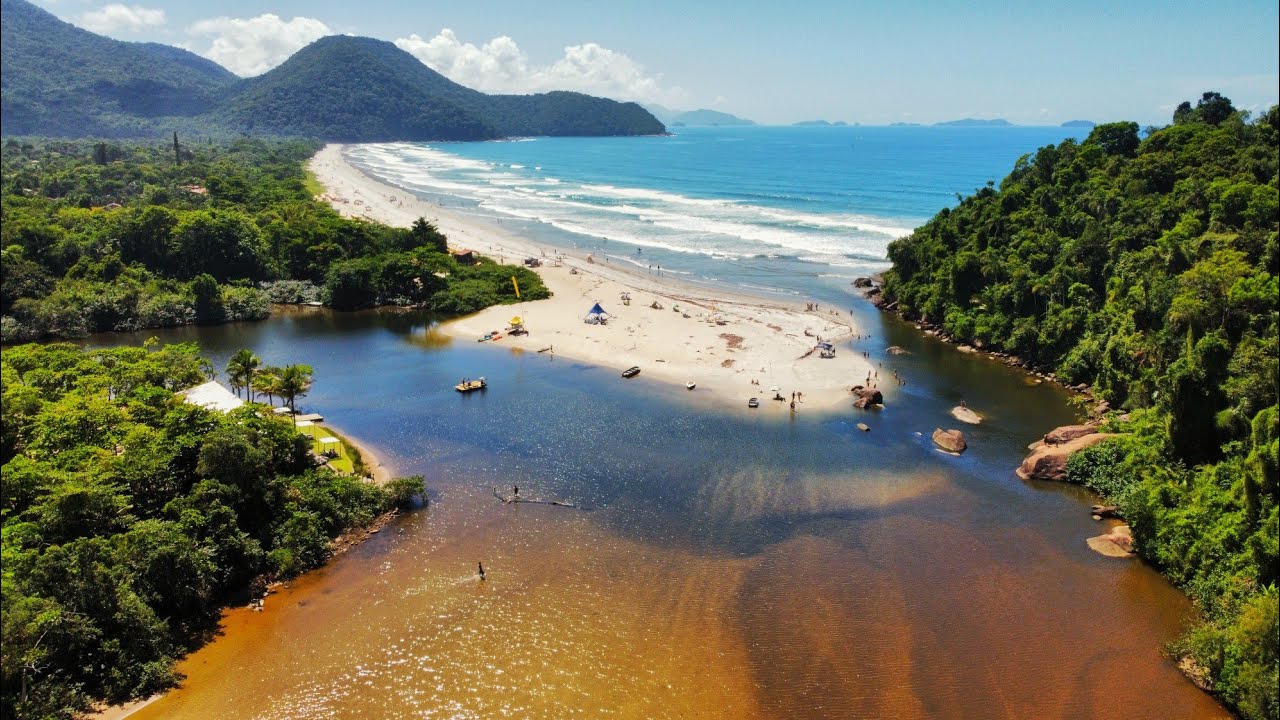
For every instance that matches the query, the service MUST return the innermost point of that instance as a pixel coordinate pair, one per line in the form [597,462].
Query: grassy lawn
[344,462]
[312,185]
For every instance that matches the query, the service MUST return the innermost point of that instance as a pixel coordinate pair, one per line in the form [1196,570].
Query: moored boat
[690,385]
[631,371]
[468,385]
[753,403]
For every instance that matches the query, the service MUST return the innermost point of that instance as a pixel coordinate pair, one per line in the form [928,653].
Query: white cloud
[114,17]
[499,65]
[253,46]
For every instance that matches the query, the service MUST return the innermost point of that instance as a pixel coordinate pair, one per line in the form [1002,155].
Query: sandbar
[732,346]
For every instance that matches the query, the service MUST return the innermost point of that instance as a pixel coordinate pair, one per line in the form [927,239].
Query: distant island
[975,122]
[338,88]
[702,116]
[820,123]
[1079,124]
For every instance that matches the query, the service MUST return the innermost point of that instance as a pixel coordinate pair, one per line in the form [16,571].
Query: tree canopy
[130,517]
[104,236]
[1147,268]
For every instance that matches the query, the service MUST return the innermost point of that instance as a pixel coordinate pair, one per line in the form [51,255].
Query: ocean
[791,210]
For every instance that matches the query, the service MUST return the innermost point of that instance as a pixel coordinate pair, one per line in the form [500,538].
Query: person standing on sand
[516,489]
[481,564]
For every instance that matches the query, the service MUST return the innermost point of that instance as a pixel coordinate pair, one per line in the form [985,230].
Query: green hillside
[361,90]
[1146,267]
[59,80]
[353,90]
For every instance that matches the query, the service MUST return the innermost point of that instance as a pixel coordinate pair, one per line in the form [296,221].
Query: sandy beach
[731,346]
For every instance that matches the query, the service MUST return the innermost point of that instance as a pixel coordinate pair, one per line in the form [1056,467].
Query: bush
[291,292]
[242,303]
[466,296]
[404,490]
[166,310]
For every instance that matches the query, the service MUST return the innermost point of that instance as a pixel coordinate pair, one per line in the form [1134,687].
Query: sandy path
[720,340]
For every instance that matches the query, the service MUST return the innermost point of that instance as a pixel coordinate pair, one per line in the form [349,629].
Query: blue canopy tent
[596,315]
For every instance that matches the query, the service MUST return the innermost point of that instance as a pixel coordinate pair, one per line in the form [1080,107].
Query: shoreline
[730,345]
[379,473]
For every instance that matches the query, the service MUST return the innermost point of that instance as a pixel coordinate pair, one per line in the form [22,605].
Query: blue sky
[774,62]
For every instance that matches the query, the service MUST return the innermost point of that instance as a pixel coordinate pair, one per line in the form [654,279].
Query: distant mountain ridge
[700,117]
[64,81]
[975,122]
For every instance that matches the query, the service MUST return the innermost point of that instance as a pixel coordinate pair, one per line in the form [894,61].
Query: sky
[776,61]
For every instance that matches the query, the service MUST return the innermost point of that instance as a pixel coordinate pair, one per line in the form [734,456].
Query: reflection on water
[728,565]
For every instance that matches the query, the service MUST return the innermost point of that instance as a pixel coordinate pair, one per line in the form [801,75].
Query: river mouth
[717,565]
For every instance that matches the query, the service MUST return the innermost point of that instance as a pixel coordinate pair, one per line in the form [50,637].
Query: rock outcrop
[862,282]
[1116,543]
[895,350]
[867,397]
[950,440]
[1067,433]
[964,414]
[1048,461]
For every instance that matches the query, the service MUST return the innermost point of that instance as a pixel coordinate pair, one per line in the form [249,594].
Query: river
[718,565]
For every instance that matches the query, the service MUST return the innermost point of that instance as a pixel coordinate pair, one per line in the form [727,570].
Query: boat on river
[467,386]
[631,371]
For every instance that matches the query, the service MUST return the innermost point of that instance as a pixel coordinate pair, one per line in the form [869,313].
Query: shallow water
[720,565]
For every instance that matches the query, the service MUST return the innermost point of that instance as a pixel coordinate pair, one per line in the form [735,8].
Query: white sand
[761,339]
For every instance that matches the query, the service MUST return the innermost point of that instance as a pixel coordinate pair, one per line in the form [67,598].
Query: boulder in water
[1049,461]
[964,414]
[867,397]
[950,440]
[895,350]
[1116,543]
[862,282]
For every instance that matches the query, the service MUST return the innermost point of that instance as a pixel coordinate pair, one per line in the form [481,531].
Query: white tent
[213,396]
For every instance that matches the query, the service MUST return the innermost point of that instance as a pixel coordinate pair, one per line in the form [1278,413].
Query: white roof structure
[213,396]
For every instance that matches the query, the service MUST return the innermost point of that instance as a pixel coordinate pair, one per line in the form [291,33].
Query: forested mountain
[1146,267]
[361,90]
[59,80]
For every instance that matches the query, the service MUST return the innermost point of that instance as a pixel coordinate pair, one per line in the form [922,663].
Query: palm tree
[241,368]
[267,382]
[295,381]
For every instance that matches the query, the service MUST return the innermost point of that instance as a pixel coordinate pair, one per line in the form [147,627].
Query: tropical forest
[1144,264]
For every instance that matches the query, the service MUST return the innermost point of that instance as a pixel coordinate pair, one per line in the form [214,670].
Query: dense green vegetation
[130,517]
[101,237]
[1146,267]
[60,80]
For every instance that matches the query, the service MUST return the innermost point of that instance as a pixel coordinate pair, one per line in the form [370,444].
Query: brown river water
[720,565]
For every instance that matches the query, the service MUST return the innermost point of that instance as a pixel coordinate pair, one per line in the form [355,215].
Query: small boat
[753,403]
[468,385]
[690,385]
[631,371]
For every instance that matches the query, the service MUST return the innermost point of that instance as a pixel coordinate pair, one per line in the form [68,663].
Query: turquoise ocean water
[776,209]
